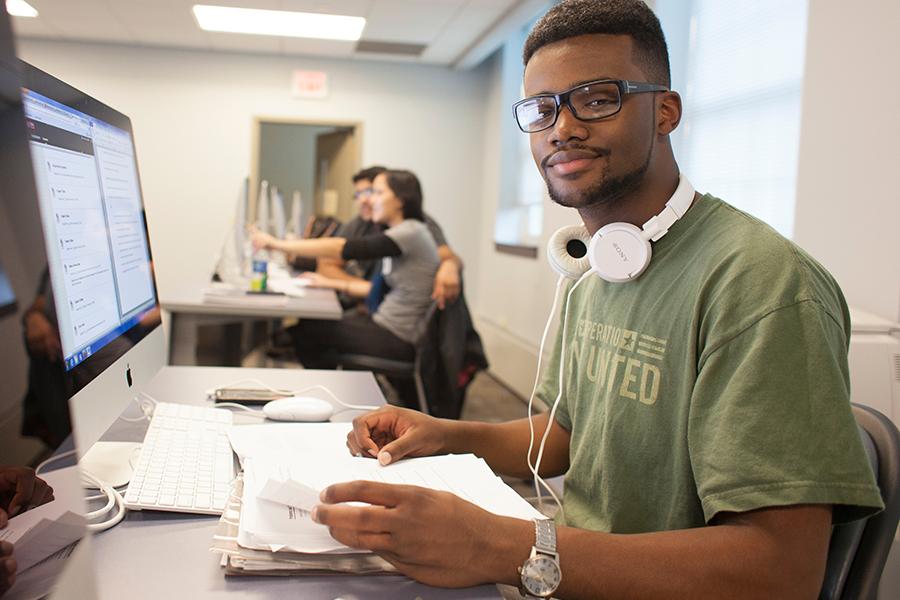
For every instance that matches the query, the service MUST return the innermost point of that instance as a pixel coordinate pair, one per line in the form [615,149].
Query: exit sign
[309,84]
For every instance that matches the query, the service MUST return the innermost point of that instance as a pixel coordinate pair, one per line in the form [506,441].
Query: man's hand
[446,283]
[434,537]
[8,567]
[391,433]
[41,337]
[21,489]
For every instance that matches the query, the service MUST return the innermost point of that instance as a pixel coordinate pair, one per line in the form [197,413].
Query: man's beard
[610,191]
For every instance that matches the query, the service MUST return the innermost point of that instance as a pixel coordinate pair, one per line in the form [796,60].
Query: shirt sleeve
[378,245]
[436,232]
[770,422]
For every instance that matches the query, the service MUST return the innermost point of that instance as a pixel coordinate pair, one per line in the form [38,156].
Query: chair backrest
[858,551]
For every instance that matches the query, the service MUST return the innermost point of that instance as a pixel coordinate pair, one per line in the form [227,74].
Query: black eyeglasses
[590,101]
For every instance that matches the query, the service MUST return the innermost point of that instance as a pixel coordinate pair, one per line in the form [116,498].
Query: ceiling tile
[466,28]
[301,46]
[244,42]
[409,21]
[83,20]
[160,23]
[353,8]
[26,27]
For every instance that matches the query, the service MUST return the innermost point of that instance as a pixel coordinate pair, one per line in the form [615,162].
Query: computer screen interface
[94,225]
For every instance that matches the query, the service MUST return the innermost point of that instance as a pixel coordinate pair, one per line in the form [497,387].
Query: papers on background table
[287,465]
[235,297]
[294,286]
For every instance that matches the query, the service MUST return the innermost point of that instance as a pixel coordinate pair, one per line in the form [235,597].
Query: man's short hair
[369,173]
[633,18]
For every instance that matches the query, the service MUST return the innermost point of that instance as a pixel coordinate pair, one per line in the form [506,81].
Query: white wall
[192,113]
[514,293]
[848,196]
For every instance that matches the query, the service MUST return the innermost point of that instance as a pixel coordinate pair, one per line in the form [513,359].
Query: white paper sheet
[287,465]
[43,530]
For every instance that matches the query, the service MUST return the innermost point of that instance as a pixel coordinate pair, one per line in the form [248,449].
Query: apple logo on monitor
[128,375]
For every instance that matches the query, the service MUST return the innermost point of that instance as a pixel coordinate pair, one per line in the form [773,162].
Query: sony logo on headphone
[621,252]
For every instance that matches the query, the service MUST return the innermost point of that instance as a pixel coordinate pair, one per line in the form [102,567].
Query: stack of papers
[238,560]
[235,297]
[286,466]
[294,287]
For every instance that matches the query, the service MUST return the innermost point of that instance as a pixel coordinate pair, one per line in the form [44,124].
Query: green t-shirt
[716,381]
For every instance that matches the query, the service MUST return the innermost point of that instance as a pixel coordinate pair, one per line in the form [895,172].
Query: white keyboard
[186,464]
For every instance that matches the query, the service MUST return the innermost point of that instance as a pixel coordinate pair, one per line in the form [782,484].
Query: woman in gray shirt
[409,262]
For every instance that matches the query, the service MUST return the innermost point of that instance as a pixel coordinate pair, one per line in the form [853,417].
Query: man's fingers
[41,494]
[364,540]
[6,549]
[368,426]
[24,491]
[399,448]
[370,492]
[4,519]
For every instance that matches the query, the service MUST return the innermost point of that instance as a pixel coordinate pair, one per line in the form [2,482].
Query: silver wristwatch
[541,574]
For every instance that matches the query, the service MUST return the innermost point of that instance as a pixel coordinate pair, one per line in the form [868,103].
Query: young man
[704,426]
[446,281]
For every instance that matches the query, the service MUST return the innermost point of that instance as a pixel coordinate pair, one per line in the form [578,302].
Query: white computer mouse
[298,408]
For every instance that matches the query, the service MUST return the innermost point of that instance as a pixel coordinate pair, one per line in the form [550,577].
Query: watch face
[540,576]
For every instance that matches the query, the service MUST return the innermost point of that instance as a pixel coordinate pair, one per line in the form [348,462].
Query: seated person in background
[447,281]
[20,490]
[409,262]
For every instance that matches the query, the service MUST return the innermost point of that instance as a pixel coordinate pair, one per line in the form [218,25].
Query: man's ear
[668,112]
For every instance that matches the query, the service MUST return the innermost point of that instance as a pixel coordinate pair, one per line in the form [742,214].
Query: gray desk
[188,310]
[166,555]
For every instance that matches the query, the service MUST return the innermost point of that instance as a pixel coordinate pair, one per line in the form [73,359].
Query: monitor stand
[111,462]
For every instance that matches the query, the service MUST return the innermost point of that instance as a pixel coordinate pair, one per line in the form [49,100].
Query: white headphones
[618,252]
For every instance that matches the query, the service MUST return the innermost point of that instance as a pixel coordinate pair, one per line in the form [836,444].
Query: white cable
[54,458]
[562,362]
[255,413]
[537,378]
[115,499]
[143,405]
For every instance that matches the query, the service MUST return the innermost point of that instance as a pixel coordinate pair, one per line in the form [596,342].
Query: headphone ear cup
[567,251]
[618,252]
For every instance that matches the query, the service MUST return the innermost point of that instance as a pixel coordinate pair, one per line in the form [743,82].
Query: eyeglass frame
[624,85]
[365,192]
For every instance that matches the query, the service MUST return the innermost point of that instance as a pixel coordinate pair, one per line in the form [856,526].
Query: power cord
[538,480]
[113,497]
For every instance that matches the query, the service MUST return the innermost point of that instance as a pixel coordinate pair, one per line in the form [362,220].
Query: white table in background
[188,309]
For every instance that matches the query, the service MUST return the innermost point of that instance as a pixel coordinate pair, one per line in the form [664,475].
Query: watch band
[545,535]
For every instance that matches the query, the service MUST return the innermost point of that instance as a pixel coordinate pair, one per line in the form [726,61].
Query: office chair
[858,550]
[397,368]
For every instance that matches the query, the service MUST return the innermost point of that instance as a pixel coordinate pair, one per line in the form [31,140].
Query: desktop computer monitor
[97,250]
[34,416]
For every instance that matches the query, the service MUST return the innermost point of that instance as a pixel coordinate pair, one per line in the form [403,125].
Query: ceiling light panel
[20,8]
[278,22]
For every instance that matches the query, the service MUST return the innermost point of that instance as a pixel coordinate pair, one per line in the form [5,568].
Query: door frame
[255,135]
